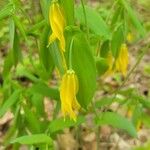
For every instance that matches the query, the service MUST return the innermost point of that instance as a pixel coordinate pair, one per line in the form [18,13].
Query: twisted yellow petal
[68,91]
[122,61]
[57,22]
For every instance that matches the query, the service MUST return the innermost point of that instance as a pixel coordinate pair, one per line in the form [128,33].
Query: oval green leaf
[33,139]
[9,102]
[85,68]
[60,124]
[117,121]
[94,21]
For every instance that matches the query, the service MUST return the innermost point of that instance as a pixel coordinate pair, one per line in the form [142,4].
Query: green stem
[63,61]
[56,110]
[78,136]
[111,11]
[98,137]
[97,128]
[70,54]
[85,18]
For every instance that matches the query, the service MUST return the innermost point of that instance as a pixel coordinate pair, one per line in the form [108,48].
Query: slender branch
[70,54]
[85,18]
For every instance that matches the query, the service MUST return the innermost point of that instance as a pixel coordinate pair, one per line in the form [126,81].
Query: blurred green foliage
[28,67]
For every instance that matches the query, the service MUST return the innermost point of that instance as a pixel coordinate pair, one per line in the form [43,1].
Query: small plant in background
[62,57]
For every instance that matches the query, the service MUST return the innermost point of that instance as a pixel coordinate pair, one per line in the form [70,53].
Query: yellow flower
[122,61]
[68,90]
[130,37]
[57,22]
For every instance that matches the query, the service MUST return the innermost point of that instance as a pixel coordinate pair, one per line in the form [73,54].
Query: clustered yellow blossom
[57,23]
[68,90]
[121,62]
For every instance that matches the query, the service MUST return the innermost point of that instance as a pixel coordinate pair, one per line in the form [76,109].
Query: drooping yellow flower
[57,22]
[130,37]
[122,61]
[68,90]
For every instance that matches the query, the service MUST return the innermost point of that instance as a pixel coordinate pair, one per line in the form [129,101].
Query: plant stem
[98,137]
[111,11]
[63,61]
[70,54]
[97,128]
[85,18]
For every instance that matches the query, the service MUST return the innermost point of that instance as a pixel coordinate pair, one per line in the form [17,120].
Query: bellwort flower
[68,90]
[57,23]
[122,61]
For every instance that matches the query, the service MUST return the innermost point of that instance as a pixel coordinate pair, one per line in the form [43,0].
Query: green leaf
[14,43]
[105,101]
[57,57]
[45,4]
[45,55]
[36,26]
[68,6]
[32,120]
[144,102]
[146,120]
[94,21]
[137,114]
[33,139]
[104,49]
[37,101]
[17,55]
[8,63]
[6,11]
[43,89]
[24,71]
[9,102]
[136,96]
[102,65]
[135,21]
[116,16]
[116,121]
[117,40]
[84,65]
[11,32]
[15,125]
[60,124]
[20,27]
